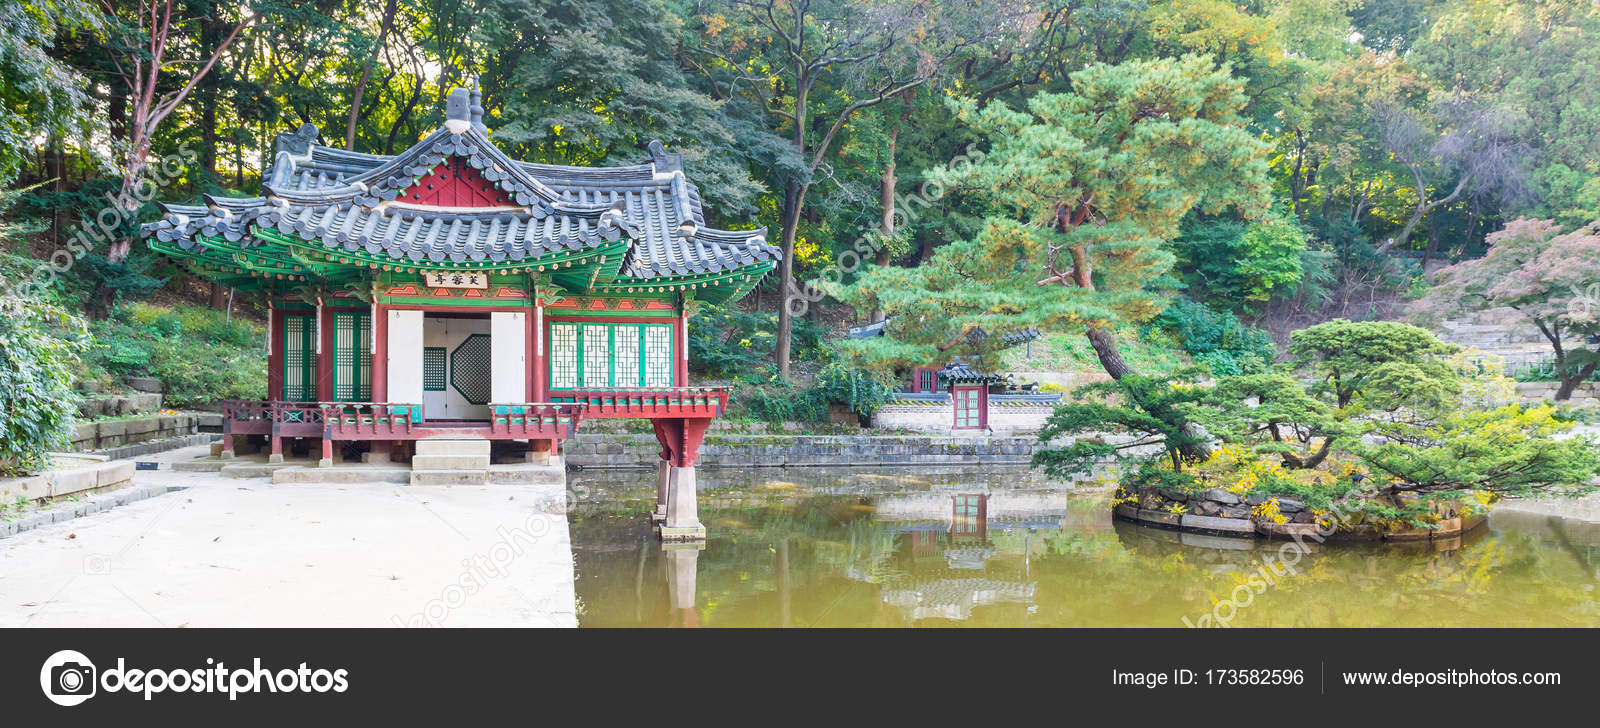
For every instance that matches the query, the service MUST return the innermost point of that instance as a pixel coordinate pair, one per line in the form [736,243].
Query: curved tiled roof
[348,201]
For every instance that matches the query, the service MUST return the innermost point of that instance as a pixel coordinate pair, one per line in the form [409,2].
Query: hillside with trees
[1152,185]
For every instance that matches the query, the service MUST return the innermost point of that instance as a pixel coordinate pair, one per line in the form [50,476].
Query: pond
[1012,548]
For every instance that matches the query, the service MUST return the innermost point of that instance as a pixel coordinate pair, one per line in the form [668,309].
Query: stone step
[449,477]
[441,446]
[528,474]
[344,474]
[202,466]
[450,462]
[255,470]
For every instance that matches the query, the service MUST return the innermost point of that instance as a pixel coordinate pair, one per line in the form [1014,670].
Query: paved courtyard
[245,552]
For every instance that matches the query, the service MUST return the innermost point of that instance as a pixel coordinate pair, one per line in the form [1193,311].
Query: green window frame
[352,369]
[299,358]
[622,355]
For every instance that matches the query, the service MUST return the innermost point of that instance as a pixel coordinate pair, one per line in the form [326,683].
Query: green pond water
[1011,548]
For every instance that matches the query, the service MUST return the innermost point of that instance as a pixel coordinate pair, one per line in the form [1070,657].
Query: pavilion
[450,292]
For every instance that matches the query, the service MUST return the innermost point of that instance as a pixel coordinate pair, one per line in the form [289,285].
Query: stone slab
[1223,525]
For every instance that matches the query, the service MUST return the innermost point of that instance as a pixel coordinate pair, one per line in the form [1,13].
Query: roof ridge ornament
[476,109]
[665,162]
[458,110]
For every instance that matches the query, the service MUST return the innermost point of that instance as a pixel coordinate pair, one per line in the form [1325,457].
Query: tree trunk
[793,193]
[366,75]
[794,196]
[886,200]
[219,297]
[1570,382]
[1104,342]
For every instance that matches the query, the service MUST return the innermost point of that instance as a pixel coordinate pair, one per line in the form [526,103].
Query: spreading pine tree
[1084,187]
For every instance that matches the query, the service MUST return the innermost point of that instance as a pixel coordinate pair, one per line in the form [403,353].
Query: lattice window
[563,356]
[657,355]
[469,369]
[433,369]
[352,376]
[596,355]
[364,357]
[299,359]
[628,354]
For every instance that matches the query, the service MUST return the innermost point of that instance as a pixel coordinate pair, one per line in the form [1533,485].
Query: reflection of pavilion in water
[953,553]
[963,551]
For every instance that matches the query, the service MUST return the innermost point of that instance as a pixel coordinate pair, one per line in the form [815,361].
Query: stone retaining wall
[108,434]
[69,481]
[113,405]
[633,451]
[1587,393]
[939,418]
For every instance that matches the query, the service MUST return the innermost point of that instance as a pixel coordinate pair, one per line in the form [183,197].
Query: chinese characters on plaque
[464,279]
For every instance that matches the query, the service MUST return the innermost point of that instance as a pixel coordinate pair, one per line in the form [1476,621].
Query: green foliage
[725,341]
[1381,365]
[1216,339]
[198,355]
[1086,155]
[860,390]
[1139,411]
[778,401]
[39,93]
[1509,450]
[1238,263]
[594,81]
[39,347]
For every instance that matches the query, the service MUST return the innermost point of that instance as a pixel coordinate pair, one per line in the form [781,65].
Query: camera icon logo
[68,678]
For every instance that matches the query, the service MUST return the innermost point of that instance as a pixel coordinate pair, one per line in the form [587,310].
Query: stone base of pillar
[682,522]
[275,458]
[539,457]
[379,454]
[682,533]
[325,463]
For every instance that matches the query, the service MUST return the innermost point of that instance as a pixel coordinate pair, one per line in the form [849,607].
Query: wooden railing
[654,402]
[341,420]
[534,420]
[395,421]
[369,420]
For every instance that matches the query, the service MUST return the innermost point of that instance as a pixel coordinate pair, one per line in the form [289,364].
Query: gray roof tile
[345,201]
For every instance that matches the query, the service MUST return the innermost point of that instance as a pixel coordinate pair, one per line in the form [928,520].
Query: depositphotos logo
[69,678]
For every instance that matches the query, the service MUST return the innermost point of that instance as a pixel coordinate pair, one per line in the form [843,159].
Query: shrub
[197,353]
[860,390]
[39,347]
[1242,262]
[1217,339]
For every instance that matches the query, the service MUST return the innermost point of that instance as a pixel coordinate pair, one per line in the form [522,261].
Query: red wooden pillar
[531,362]
[324,354]
[681,371]
[541,360]
[275,354]
[380,352]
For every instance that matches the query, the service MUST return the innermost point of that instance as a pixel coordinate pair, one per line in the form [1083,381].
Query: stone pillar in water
[683,517]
